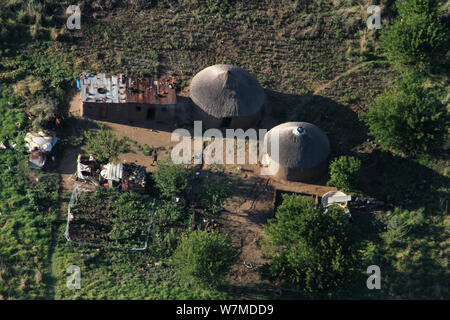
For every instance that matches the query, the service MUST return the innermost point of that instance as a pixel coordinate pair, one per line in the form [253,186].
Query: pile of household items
[123,176]
[39,145]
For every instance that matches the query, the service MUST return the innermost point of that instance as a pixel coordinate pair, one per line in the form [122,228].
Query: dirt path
[339,76]
[66,167]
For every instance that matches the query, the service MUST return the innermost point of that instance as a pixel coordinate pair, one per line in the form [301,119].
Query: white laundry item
[113,172]
[41,141]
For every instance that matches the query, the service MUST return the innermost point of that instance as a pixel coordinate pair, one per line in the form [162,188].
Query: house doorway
[150,114]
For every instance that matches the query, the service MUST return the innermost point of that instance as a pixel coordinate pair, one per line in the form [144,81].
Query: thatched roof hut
[303,151]
[227,96]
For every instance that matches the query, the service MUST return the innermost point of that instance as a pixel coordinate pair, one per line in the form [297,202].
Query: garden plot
[107,218]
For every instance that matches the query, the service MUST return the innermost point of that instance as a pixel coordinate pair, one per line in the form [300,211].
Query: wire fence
[73,202]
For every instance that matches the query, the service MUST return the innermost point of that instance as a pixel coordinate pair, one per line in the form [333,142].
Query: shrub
[104,144]
[408,119]
[172,180]
[344,173]
[416,38]
[311,251]
[28,87]
[203,258]
[213,195]
[45,112]
[130,219]
[147,151]
[171,213]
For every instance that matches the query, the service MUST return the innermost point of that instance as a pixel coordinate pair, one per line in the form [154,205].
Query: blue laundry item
[78,83]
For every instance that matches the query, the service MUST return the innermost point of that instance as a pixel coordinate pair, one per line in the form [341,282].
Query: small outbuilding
[227,96]
[303,151]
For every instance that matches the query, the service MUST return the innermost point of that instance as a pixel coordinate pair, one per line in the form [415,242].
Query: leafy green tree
[416,38]
[203,258]
[408,119]
[172,180]
[344,173]
[311,251]
[104,144]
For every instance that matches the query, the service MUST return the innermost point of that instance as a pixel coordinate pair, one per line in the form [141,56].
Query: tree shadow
[403,182]
[69,146]
[416,272]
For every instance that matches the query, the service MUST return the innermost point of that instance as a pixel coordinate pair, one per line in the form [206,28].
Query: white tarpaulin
[337,197]
[112,172]
[82,168]
[40,141]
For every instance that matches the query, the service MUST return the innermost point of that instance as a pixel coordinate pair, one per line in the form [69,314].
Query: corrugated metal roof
[102,88]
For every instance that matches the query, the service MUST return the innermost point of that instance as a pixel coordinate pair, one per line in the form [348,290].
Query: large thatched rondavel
[227,96]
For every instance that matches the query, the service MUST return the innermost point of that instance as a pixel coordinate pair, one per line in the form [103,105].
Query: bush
[172,180]
[408,119]
[28,87]
[45,112]
[171,213]
[416,38]
[213,195]
[311,251]
[203,258]
[104,144]
[344,173]
[130,219]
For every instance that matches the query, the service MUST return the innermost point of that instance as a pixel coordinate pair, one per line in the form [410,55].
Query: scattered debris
[37,159]
[210,225]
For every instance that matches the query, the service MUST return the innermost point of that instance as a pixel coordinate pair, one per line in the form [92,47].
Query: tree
[311,251]
[104,144]
[203,258]
[344,173]
[416,38]
[172,180]
[408,119]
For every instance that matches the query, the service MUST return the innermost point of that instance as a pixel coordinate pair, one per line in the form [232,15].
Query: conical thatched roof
[227,91]
[299,149]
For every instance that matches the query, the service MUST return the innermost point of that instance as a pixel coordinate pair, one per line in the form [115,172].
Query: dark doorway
[150,114]
[226,122]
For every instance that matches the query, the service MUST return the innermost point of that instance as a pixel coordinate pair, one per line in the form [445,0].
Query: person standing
[155,157]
